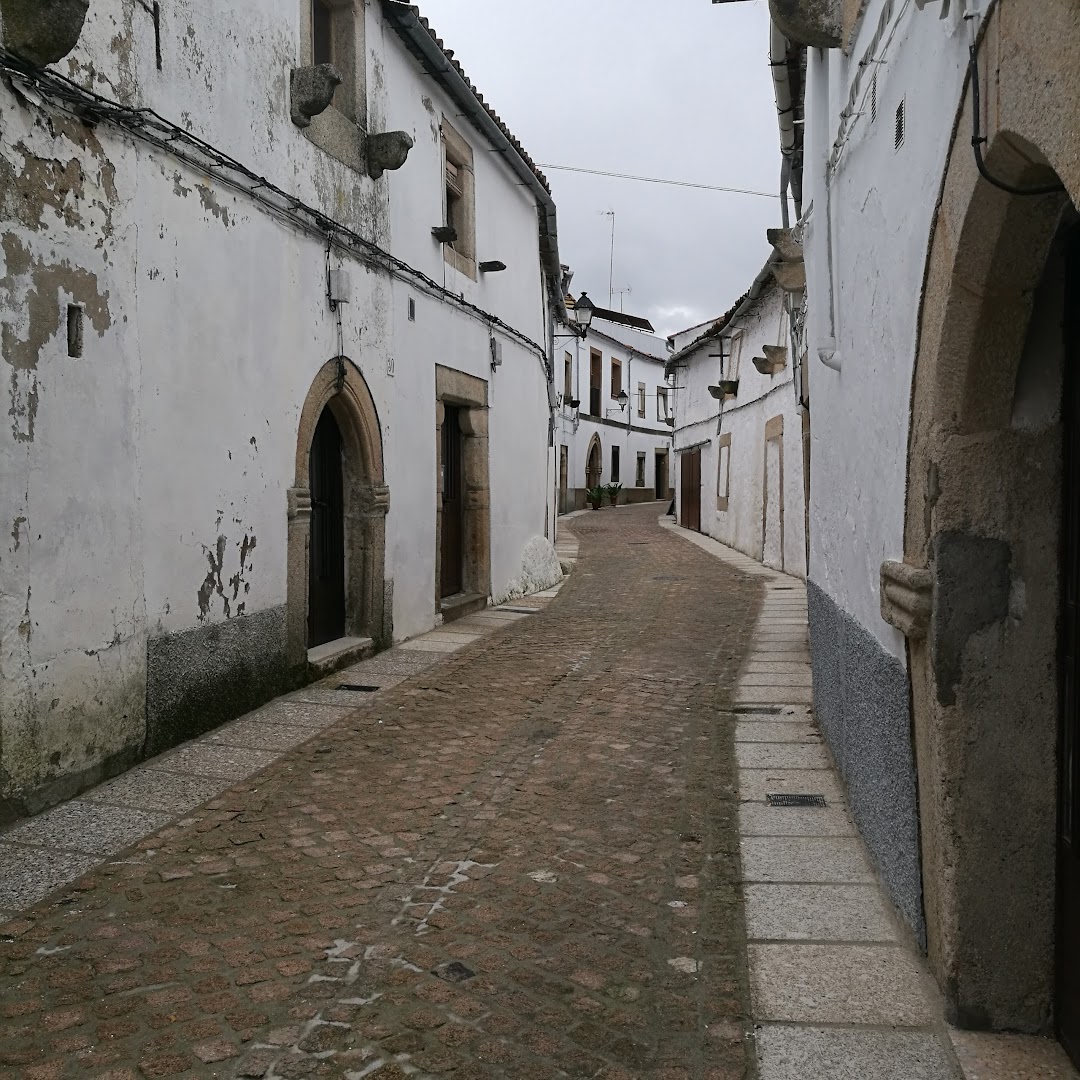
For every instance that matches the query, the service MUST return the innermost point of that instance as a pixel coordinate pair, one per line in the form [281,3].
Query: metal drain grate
[356,688]
[795,800]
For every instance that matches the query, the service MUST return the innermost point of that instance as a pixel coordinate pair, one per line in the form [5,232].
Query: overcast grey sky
[678,89]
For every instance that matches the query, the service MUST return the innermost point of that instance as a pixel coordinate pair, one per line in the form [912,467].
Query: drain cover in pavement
[454,971]
[795,800]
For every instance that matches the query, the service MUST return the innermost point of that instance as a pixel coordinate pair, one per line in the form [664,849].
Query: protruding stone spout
[42,31]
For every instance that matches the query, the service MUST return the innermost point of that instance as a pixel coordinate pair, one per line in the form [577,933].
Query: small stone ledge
[814,23]
[906,598]
[312,91]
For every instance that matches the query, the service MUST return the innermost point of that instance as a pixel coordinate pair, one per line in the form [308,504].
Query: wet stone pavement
[521,862]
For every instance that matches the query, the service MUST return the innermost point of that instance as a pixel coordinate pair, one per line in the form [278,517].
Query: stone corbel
[774,360]
[387,152]
[311,89]
[790,270]
[42,31]
[906,598]
[814,23]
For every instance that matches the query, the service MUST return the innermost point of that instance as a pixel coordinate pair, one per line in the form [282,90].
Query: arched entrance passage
[982,532]
[338,446]
[594,463]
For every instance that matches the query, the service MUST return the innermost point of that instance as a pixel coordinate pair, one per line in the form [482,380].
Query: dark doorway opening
[1068,898]
[453,504]
[593,467]
[326,581]
[691,490]
[661,474]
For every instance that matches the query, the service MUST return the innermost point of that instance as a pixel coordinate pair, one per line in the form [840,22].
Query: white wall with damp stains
[143,486]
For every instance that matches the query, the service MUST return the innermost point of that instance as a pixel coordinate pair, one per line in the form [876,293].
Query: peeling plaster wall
[760,399]
[143,487]
[627,346]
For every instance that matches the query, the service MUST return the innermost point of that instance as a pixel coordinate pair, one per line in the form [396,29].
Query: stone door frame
[978,597]
[340,386]
[470,395]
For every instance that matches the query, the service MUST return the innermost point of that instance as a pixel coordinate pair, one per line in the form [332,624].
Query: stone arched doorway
[594,463]
[980,590]
[339,398]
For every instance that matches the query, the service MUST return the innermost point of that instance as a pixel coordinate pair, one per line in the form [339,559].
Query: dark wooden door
[564,477]
[326,578]
[691,490]
[1068,900]
[661,475]
[453,508]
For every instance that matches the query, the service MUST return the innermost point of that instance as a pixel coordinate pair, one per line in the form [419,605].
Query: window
[640,480]
[614,464]
[568,378]
[459,201]
[661,404]
[641,399]
[596,362]
[734,355]
[616,377]
[723,471]
[334,28]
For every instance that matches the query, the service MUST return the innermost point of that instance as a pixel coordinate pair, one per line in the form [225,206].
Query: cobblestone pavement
[521,862]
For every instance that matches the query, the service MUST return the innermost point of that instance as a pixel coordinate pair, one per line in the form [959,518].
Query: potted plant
[595,495]
[613,493]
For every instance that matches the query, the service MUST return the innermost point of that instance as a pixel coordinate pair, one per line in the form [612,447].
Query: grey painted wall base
[202,678]
[862,703]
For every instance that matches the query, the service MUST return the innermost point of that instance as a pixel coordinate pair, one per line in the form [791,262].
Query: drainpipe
[785,112]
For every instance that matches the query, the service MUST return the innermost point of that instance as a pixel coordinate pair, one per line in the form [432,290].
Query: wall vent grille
[901,126]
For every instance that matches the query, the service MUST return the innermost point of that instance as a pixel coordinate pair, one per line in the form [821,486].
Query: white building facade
[260,413]
[600,440]
[938,237]
[740,431]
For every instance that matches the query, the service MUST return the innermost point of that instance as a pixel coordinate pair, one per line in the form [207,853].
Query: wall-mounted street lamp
[581,318]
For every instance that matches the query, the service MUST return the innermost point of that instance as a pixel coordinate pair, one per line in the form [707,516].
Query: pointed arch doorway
[337,592]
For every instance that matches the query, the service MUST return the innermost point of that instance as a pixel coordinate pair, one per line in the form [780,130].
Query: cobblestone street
[521,862]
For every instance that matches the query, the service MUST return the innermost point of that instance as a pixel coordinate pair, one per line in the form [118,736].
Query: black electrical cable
[150,127]
[978,139]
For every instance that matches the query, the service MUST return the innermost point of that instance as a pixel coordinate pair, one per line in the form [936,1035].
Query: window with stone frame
[641,400]
[336,36]
[661,404]
[614,464]
[568,378]
[616,377]
[459,200]
[640,479]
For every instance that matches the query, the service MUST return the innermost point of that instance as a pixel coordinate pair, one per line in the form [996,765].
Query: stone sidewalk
[838,991]
[519,860]
[58,846]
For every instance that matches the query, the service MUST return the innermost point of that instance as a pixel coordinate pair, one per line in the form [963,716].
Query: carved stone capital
[907,598]
[387,151]
[42,31]
[374,500]
[311,89]
[299,503]
[815,23]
